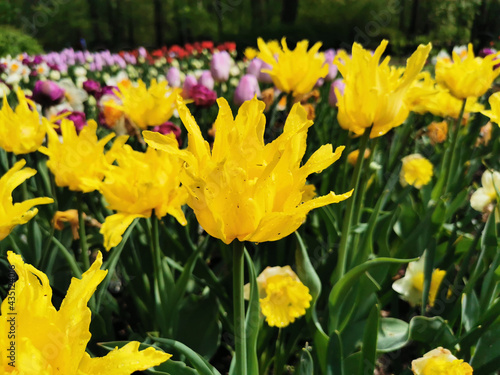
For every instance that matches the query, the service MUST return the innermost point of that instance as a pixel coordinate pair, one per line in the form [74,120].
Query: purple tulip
[338,84]
[206,79]
[332,68]
[78,119]
[202,96]
[254,67]
[174,77]
[263,76]
[47,93]
[220,66]
[169,127]
[92,87]
[247,89]
[142,52]
[189,83]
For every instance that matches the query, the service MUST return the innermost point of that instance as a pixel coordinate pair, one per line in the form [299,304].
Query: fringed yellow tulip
[243,188]
[440,361]
[427,96]
[294,71]
[21,131]
[494,112]
[79,161]
[49,341]
[147,106]
[374,94]
[467,77]
[17,213]
[138,184]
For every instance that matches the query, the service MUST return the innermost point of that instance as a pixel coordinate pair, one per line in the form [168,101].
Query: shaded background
[127,24]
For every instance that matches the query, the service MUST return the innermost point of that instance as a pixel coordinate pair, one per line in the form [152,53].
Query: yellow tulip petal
[114,226]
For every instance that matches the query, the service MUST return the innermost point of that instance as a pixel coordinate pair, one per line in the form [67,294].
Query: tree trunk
[94,16]
[258,13]
[289,11]
[159,20]
[414,17]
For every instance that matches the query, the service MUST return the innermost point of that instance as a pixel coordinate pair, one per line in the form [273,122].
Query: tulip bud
[220,66]
[246,90]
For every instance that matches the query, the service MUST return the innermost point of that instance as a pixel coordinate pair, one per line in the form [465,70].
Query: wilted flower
[440,361]
[416,171]
[380,87]
[133,195]
[68,327]
[488,193]
[21,131]
[437,131]
[411,286]
[47,93]
[77,160]
[247,89]
[243,188]
[494,112]
[17,213]
[294,71]
[467,77]
[220,66]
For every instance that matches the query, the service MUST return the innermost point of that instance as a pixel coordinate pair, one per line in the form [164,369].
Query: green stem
[84,255]
[239,308]
[453,155]
[159,281]
[340,269]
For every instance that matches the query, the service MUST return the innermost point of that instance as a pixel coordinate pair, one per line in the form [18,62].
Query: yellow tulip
[243,188]
[440,361]
[17,213]
[294,71]
[374,94]
[146,106]
[77,162]
[416,171]
[21,131]
[138,184]
[49,341]
[494,112]
[467,77]
[427,96]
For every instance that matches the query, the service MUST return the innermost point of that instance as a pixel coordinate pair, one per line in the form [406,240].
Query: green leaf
[393,334]
[335,358]
[310,278]
[470,310]
[197,361]
[432,331]
[347,281]
[487,353]
[198,325]
[369,349]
